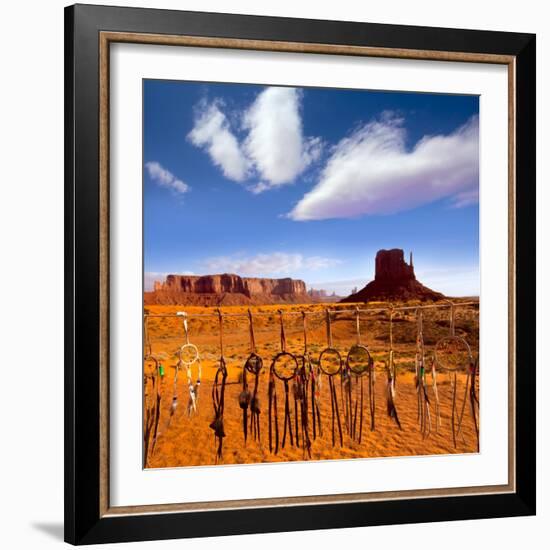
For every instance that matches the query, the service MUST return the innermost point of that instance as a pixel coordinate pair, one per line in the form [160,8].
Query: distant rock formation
[394,280]
[322,296]
[226,289]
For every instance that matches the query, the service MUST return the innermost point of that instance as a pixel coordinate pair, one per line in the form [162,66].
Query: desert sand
[188,440]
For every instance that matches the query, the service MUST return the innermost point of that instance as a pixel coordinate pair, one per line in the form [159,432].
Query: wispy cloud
[276,263]
[466,198]
[163,177]
[212,133]
[257,188]
[274,149]
[372,172]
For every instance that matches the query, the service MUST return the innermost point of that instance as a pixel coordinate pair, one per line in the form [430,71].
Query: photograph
[311,273]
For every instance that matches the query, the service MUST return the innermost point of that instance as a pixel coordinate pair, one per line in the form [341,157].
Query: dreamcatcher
[152,397]
[300,389]
[189,356]
[284,368]
[330,363]
[253,366]
[218,397]
[359,363]
[453,353]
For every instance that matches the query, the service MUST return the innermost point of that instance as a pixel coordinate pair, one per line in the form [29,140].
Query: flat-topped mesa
[228,282]
[226,288]
[394,280]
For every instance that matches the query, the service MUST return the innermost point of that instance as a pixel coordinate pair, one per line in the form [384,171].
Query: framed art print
[299,274]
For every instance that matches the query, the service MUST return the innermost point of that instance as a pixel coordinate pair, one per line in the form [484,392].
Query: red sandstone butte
[394,280]
[226,289]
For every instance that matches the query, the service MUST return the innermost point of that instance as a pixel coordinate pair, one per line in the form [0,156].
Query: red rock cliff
[228,289]
[391,266]
[395,280]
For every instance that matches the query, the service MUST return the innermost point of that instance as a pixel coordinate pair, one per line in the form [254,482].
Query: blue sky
[309,183]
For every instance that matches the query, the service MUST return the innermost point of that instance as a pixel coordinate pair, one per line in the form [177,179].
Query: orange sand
[188,441]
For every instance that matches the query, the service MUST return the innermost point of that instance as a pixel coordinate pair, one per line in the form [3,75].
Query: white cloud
[275,143]
[258,188]
[212,132]
[165,178]
[466,198]
[276,263]
[274,149]
[371,172]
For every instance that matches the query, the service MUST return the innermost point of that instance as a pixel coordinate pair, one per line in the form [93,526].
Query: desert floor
[188,440]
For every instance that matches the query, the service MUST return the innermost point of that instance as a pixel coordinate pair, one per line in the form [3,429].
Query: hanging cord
[466,387]
[148,413]
[188,356]
[253,365]
[159,380]
[345,396]
[444,348]
[359,401]
[345,389]
[151,408]
[469,363]
[244,396]
[174,404]
[287,418]
[434,379]
[436,395]
[218,397]
[330,372]
[416,369]
[152,414]
[422,393]
[301,389]
[148,347]
[314,387]
[454,381]
[272,411]
[244,401]
[472,398]
[284,373]
[456,425]
[358,363]
[473,370]
[297,391]
[392,375]
[283,337]
[372,394]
